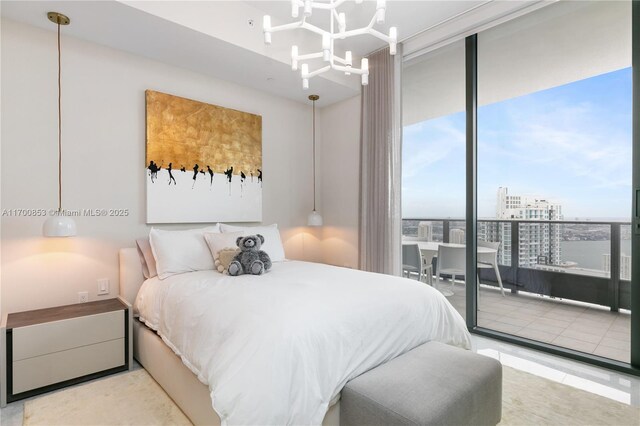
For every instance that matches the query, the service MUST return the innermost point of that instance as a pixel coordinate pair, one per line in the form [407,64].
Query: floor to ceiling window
[433,155]
[554,175]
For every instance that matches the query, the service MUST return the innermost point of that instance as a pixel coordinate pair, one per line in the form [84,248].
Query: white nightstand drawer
[33,373]
[40,339]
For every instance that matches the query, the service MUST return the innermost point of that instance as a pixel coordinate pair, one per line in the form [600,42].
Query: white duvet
[278,348]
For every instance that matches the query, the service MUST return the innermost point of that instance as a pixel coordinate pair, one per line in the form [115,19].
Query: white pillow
[220,241]
[272,242]
[181,251]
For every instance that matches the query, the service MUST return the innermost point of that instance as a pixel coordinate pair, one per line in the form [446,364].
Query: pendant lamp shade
[314,219]
[59,225]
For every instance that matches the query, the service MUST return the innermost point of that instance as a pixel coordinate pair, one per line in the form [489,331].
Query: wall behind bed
[103,155]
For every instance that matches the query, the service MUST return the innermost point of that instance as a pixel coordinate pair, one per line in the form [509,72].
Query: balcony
[567,283]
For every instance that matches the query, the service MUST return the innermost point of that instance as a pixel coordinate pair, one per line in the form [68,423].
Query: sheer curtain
[380,165]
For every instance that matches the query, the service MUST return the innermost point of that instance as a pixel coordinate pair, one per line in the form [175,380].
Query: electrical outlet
[103,286]
[83,296]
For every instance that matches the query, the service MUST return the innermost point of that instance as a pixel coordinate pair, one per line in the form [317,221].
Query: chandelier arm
[313,28]
[372,23]
[284,27]
[309,56]
[380,35]
[352,70]
[339,59]
[317,72]
[334,13]
[357,31]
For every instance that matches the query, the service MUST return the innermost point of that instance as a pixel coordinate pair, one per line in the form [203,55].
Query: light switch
[103,286]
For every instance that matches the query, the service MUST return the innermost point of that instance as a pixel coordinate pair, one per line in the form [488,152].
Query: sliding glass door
[519,147]
[554,181]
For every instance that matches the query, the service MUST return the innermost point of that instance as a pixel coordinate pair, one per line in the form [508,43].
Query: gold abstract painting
[203,162]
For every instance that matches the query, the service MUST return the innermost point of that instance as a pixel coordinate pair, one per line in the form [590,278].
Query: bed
[278,348]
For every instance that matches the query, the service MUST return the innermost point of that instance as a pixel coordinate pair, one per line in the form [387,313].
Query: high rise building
[539,243]
[456,236]
[625,265]
[425,231]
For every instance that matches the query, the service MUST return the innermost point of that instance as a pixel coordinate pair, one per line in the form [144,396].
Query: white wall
[103,146]
[340,179]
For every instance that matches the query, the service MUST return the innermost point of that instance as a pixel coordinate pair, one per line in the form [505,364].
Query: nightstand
[47,349]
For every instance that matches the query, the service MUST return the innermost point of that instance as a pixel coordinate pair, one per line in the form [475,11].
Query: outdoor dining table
[429,250]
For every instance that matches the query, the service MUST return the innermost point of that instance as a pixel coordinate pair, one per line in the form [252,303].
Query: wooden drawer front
[52,368]
[46,338]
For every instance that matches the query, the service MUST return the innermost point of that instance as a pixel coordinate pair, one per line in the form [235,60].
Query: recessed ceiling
[214,38]
[410,17]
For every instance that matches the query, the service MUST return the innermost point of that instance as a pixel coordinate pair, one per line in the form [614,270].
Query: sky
[570,144]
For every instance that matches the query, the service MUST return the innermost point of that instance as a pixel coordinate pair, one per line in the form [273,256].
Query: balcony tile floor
[564,323]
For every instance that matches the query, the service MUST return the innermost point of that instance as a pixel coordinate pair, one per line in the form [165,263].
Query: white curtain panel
[380,164]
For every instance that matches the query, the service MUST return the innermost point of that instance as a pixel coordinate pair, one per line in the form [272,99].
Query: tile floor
[584,328]
[600,381]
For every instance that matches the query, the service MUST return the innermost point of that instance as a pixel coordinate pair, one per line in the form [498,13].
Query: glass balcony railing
[584,261]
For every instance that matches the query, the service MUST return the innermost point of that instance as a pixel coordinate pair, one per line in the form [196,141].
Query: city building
[456,236]
[425,231]
[539,242]
[625,265]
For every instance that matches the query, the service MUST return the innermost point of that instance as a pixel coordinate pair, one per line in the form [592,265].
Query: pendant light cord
[59,126]
[314,155]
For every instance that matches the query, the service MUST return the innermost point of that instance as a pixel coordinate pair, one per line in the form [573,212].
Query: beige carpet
[127,399]
[136,399]
[533,400]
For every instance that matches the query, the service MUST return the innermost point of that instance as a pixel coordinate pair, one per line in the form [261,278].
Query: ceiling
[410,17]
[215,38]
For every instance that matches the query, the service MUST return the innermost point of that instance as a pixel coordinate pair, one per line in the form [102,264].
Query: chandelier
[337,30]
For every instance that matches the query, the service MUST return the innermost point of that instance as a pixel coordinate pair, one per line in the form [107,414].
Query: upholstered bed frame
[191,395]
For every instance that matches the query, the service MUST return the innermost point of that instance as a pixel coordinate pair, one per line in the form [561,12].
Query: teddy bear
[250,259]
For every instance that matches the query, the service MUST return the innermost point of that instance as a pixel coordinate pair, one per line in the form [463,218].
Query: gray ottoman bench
[433,384]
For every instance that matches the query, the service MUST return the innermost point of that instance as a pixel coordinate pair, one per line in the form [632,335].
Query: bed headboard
[131,277]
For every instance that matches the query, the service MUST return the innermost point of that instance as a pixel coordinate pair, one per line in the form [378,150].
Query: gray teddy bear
[250,259]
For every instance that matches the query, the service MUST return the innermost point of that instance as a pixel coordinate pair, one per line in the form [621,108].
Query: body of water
[588,254]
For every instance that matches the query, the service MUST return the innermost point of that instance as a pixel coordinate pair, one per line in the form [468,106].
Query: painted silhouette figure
[210,174]
[182,169]
[153,169]
[252,176]
[242,176]
[259,175]
[229,173]
[195,175]
[171,178]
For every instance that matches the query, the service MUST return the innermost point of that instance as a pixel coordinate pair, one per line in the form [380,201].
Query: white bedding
[278,348]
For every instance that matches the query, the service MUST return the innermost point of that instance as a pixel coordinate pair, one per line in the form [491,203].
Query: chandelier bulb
[342,22]
[308,9]
[266,28]
[393,36]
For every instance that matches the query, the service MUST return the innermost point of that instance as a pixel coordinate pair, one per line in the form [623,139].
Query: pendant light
[58,225]
[314,218]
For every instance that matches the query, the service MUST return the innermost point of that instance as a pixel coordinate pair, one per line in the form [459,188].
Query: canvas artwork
[203,162]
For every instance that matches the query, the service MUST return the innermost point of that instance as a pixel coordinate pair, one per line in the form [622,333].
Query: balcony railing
[533,259]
